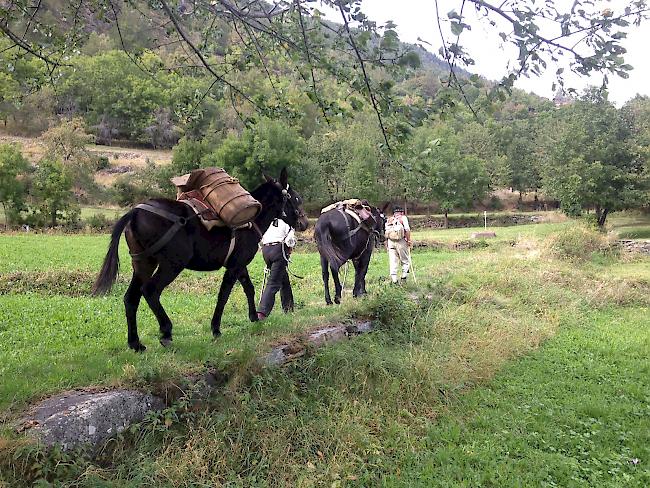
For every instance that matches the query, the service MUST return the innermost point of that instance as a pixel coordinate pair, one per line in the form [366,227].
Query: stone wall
[635,246]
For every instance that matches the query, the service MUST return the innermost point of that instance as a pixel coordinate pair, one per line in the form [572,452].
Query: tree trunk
[602,218]
[4,207]
[53,218]
[446,219]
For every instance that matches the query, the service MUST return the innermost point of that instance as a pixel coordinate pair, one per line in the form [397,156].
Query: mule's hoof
[165,342]
[216,335]
[337,301]
[253,318]
[138,346]
[329,302]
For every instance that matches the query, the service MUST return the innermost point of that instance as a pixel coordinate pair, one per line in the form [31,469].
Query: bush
[101,163]
[395,312]
[99,222]
[577,243]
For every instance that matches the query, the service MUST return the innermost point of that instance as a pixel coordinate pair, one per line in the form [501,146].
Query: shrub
[395,312]
[578,243]
[101,163]
[98,222]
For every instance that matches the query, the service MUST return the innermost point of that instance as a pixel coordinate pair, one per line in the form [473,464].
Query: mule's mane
[263,191]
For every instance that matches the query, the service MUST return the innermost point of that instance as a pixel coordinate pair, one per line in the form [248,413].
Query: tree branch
[311,65]
[23,45]
[365,75]
[181,32]
[452,73]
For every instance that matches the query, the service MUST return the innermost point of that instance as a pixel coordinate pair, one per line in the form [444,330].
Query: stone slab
[76,418]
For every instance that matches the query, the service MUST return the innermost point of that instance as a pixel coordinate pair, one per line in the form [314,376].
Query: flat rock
[76,418]
[483,235]
[286,352]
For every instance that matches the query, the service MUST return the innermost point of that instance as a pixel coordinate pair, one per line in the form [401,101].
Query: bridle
[286,199]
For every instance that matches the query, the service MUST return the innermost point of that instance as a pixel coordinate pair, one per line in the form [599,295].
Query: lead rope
[267,271]
[345,277]
[288,260]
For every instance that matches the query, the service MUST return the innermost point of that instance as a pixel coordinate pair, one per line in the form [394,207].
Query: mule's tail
[327,248]
[108,273]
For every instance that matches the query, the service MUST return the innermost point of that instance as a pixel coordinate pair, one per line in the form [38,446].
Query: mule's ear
[284,178]
[268,178]
[383,209]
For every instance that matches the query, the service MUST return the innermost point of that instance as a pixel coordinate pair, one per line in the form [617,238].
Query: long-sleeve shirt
[279,231]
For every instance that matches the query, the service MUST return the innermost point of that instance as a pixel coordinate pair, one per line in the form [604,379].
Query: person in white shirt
[277,243]
[398,242]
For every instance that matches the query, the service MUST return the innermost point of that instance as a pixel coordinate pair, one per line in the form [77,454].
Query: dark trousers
[278,280]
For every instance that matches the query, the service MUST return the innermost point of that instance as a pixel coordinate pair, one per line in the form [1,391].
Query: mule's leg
[142,271]
[326,279]
[338,289]
[356,290]
[360,270]
[152,289]
[131,303]
[229,279]
[249,290]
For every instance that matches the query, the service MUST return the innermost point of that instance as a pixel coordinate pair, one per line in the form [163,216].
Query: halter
[286,198]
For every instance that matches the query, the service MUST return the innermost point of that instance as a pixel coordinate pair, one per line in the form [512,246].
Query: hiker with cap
[398,242]
[277,243]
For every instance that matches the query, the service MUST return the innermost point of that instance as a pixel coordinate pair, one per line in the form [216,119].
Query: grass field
[435,397]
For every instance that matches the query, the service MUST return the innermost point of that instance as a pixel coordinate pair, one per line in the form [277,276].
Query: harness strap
[352,232]
[178,223]
[233,238]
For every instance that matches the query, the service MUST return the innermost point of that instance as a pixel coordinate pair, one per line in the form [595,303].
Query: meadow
[509,364]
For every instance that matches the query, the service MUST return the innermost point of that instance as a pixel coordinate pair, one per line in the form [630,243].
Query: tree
[67,143]
[267,147]
[589,162]
[12,188]
[636,116]
[345,162]
[226,40]
[517,142]
[52,191]
[443,173]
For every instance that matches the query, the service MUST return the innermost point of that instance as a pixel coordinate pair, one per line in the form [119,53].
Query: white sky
[416,18]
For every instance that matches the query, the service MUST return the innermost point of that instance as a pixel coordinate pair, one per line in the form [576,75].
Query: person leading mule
[277,243]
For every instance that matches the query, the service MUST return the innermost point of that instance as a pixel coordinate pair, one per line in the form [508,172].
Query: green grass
[631,225]
[49,323]
[574,413]
[503,233]
[435,397]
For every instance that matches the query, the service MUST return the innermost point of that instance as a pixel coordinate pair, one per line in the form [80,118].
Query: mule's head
[380,223]
[291,210]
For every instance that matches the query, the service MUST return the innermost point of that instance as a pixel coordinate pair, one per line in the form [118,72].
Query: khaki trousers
[398,254]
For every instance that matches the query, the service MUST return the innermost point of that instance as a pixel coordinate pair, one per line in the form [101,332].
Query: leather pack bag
[234,205]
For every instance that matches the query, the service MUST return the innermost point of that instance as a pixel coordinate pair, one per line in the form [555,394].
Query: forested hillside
[391,122]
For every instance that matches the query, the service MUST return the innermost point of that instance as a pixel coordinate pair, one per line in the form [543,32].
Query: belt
[271,244]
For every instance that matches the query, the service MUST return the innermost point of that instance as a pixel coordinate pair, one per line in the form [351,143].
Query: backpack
[395,229]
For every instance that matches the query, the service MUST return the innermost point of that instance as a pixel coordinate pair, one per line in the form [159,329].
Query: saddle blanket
[355,207]
[207,216]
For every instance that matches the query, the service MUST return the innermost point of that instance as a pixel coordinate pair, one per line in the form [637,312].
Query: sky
[416,18]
